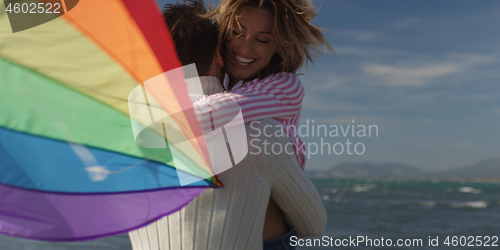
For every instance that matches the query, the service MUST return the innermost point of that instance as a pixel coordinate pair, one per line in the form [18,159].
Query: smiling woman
[273,35]
[251,45]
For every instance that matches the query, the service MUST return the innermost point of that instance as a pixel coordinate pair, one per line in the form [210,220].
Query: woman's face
[252,46]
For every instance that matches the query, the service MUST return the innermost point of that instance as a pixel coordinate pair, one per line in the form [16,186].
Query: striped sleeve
[278,96]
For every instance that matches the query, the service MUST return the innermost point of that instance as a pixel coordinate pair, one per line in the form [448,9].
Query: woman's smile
[242,61]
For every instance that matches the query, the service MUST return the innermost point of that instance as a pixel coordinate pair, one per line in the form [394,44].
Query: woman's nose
[246,47]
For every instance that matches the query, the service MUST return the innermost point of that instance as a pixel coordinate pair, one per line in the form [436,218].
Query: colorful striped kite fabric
[70,167]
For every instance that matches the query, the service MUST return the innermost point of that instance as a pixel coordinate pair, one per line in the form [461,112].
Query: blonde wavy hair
[297,39]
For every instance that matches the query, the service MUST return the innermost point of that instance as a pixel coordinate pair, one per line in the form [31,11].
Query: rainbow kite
[75,164]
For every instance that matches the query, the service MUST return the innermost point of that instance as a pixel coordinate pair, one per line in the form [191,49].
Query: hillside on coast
[484,169]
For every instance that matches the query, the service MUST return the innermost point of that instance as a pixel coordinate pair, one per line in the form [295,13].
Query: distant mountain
[485,169]
[368,169]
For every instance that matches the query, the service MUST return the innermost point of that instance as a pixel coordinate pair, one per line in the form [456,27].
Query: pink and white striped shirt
[277,96]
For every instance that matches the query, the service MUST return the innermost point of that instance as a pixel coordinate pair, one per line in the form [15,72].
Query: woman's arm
[277,96]
[292,191]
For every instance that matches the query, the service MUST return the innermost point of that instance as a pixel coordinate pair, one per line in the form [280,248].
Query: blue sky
[425,72]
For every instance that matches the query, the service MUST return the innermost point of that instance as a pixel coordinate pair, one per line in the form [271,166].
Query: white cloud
[474,97]
[313,103]
[420,74]
[331,83]
[360,35]
[405,23]
[471,59]
[409,76]
[368,52]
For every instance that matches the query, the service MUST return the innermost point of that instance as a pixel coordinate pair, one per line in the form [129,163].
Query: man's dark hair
[195,37]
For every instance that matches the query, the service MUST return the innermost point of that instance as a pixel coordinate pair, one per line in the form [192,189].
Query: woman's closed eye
[236,33]
[263,41]
[258,40]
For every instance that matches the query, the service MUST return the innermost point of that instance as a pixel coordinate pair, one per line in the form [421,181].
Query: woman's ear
[218,57]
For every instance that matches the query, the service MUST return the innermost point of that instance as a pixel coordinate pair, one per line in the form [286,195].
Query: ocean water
[411,210]
[372,210]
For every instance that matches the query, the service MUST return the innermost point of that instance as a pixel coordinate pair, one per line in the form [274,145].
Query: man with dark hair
[195,37]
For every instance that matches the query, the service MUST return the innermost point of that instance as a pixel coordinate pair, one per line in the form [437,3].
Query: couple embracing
[266,199]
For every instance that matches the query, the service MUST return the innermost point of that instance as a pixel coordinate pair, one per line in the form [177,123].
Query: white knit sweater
[232,217]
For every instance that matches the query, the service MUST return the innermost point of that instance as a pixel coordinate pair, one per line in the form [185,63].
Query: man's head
[195,37]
